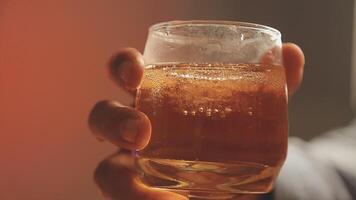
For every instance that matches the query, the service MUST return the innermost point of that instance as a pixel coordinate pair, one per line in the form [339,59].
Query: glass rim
[246,25]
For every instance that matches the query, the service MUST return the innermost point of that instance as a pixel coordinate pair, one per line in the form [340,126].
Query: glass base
[206,180]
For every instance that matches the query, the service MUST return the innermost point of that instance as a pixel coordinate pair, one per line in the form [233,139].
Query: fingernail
[129,130]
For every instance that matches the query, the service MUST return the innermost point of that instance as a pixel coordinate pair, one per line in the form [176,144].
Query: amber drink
[217,127]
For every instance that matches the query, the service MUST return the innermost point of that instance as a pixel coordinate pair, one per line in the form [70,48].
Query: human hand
[130,129]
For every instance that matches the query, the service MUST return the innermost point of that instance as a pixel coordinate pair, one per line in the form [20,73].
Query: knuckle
[124,55]
[101,172]
[98,117]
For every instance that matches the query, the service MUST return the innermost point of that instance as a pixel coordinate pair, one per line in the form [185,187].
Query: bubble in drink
[185,112]
[219,126]
[227,110]
[208,112]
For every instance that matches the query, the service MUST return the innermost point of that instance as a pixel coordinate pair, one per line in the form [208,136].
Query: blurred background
[52,71]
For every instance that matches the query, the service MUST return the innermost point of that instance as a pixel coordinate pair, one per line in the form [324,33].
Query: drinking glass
[215,93]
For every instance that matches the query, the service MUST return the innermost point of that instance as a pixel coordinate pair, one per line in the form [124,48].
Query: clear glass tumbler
[215,93]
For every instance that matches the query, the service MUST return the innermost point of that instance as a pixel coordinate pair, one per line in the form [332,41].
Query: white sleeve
[324,168]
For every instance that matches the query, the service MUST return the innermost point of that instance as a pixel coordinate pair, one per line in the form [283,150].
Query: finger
[126,68]
[117,180]
[293,61]
[121,125]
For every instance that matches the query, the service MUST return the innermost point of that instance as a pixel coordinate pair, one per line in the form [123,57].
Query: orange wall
[52,58]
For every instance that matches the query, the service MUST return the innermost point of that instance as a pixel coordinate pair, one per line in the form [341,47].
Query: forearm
[323,168]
